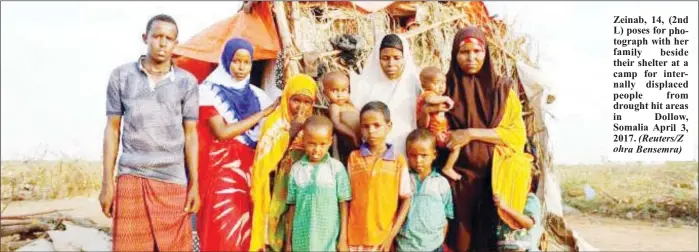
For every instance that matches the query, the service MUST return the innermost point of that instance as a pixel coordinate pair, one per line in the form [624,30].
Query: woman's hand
[459,138]
[272,107]
[297,122]
[299,118]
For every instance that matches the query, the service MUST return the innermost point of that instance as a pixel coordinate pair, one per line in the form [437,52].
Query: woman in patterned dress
[230,111]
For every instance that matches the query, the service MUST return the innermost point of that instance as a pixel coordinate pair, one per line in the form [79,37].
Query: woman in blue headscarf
[230,112]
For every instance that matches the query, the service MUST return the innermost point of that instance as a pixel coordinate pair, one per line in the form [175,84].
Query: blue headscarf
[232,46]
[242,102]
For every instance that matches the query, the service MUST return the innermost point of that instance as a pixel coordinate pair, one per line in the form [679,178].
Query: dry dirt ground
[604,233]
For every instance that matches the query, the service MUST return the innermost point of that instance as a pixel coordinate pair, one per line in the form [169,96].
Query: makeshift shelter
[316,37]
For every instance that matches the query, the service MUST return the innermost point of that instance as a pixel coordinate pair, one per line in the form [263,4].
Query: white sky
[57,56]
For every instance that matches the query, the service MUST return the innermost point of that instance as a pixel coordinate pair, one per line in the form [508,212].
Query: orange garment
[149,214]
[378,181]
[438,124]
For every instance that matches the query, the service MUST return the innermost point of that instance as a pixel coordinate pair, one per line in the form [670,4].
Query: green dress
[316,191]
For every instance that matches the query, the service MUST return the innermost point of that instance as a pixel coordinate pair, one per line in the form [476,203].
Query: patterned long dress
[225,218]
[278,209]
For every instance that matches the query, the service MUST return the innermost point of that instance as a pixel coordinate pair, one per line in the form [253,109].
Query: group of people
[413,168]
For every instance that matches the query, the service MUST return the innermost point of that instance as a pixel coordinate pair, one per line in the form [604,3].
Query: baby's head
[432,79]
[317,137]
[336,87]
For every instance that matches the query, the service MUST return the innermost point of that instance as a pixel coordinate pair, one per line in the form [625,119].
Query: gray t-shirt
[152,120]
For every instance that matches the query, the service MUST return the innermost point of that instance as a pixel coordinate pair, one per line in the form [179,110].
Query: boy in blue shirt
[426,225]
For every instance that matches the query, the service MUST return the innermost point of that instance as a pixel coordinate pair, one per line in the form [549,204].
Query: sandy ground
[604,233]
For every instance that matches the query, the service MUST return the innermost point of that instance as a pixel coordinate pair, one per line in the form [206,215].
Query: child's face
[421,154]
[316,142]
[337,90]
[374,127]
[300,103]
[437,84]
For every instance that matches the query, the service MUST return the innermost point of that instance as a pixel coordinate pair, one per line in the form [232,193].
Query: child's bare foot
[451,174]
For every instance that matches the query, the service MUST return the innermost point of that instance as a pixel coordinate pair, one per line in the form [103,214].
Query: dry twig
[26,216]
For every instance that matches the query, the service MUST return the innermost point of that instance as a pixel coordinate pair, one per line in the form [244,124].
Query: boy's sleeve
[533,208]
[291,194]
[447,199]
[190,102]
[344,190]
[405,190]
[114,105]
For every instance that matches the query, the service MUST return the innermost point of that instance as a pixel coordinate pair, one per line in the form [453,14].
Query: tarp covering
[200,54]
[257,27]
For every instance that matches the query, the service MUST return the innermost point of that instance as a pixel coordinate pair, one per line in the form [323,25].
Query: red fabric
[224,220]
[149,214]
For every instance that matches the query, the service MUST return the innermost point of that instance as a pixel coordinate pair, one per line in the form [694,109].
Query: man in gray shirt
[157,104]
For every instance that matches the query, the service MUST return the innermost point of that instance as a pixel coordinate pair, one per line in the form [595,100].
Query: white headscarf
[400,94]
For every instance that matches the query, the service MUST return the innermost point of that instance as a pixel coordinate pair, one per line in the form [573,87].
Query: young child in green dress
[319,189]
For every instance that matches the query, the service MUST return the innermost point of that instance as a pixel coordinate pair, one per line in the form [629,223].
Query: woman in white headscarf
[390,76]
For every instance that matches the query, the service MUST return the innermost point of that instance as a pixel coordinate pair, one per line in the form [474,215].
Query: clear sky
[57,56]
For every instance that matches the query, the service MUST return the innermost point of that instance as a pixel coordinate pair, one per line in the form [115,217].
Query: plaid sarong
[149,214]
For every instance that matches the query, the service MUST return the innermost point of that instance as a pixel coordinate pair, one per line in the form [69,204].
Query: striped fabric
[150,214]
